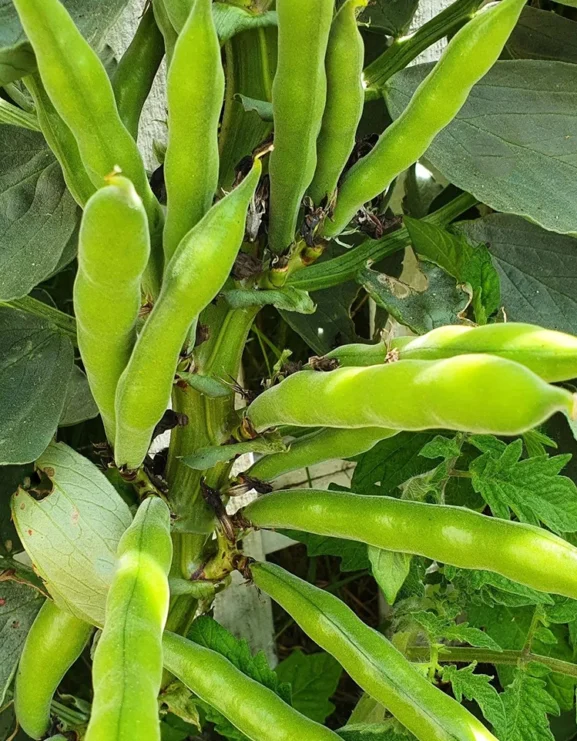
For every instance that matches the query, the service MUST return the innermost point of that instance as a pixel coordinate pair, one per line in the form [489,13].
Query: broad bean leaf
[94,20]
[314,679]
[19,604]
[478,687]
[390,463]
[541,34]
[441,302]
[72,533]
[230,20]
[331,324]
[35,365]
[390,570]
[10,479]
[496,148]
[206,458]
[393,17]
[38,216]
[538,269]
[79,404]
[353,555]
[466,262]
[287,299]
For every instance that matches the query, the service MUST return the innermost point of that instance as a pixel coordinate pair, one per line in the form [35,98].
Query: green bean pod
[252,708]
[194,276]
[61,141]
[316,447]
[298,99]
[345,100]
[453,535]
[56,639]
[195,98]
[81,92]
[127,670]
[370,659]
[471,393]
[469,56]
[551,355]
[113,251]
[136,71]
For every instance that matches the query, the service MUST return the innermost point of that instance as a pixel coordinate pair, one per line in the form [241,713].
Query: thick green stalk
[462,655]
[405,49]
[209,419]
[344,268]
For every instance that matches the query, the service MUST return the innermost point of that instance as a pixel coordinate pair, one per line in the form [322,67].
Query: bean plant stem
[458,655]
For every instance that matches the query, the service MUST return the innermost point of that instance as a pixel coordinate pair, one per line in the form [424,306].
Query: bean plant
[339,254]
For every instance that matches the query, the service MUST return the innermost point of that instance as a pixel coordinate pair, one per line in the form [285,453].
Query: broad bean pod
[551,355]
[113,251]
[345,100]
[318,446]
[470,393]
[195,98]
[469,56]
[56,639]
[298,99]
[127,670]
[134,76]
[453,535]
[370,659]
[252,708]
[81,92]
[196,273]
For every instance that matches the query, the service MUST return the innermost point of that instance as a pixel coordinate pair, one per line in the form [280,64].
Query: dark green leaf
[466,262]
[542,34]
[18,607]
[79,404]
[478,687]
[390,463]
[538,269]
[354,555]
[314,679]
[390,570]
[38,216]
[531,488]
[392,16]
[440,303]
[491,149]
[527,704]
[35,365]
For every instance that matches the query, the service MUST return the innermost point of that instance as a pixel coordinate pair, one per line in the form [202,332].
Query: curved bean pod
[194,276]
[471,393]
[113,251]
[56,639]
[370,659]
[551,355]
[298,99]
[345,100]
[252,708]
[127,670]
[81,92]
[453,535]
[195,98]
[359,354]
[469,56]
[136,71]
[316,447]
